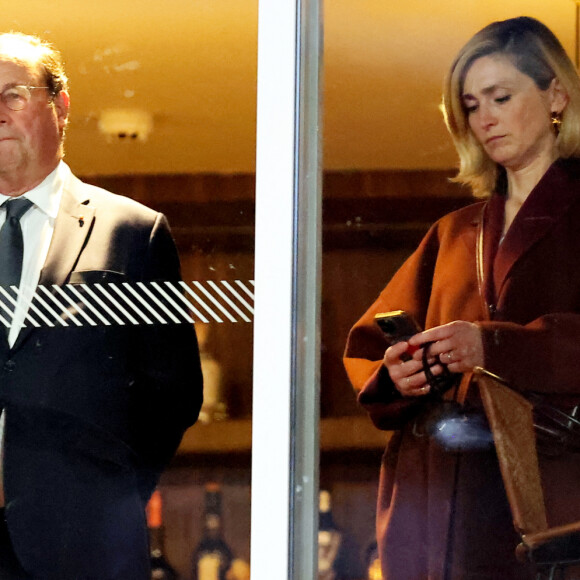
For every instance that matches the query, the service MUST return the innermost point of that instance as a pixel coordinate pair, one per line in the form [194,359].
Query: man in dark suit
[91,413]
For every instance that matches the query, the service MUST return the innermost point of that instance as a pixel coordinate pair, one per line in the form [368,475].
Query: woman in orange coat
[496,285]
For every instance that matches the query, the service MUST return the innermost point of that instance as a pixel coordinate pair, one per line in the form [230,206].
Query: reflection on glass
[388,158]
[163,111]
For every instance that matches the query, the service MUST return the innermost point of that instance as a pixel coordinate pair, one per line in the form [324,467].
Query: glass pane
[285,412]
[387,160]
[163,109]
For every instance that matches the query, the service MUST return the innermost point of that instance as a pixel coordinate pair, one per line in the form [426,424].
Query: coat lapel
[492,231]
[470,238]
[71,230]
[537,216]
[73,225]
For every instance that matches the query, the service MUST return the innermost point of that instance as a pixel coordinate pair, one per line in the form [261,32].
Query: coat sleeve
[167,363]
[408,290]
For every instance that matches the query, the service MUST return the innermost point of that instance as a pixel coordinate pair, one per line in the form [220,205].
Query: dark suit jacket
[93,414]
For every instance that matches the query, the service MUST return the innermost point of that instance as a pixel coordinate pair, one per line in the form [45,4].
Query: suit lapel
[71,229]
[544,207]
[73,225]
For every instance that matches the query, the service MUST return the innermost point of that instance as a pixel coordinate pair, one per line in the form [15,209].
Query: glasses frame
[29,88]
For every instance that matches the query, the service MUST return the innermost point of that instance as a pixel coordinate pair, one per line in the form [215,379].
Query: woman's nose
[487,117]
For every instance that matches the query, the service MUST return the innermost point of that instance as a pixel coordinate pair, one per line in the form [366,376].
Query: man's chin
[11,153]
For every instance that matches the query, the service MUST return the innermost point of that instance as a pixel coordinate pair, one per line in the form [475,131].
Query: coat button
[9,366]
[492,309]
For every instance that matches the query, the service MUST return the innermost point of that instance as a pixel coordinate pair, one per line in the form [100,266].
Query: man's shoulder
[113,203]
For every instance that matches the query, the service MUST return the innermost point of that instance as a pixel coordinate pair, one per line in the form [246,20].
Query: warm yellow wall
[192,63]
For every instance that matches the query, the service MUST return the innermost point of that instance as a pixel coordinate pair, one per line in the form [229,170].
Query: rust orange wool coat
[444,515]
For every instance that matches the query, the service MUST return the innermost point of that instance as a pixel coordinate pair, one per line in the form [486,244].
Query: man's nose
[4,111]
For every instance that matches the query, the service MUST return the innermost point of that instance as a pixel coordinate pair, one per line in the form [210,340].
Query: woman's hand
[459,345]
[407,375]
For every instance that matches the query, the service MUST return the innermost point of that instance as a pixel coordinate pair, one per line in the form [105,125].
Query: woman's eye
[503,99]
[471,109]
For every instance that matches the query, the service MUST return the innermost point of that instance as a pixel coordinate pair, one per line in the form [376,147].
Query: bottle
[214,407]
[160,567]
[212,558]
[329,539]
[373,563]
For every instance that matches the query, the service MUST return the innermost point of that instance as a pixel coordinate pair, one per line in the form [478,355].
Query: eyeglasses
[17,97]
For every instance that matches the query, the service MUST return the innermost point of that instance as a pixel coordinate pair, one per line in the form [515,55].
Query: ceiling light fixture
[126,124]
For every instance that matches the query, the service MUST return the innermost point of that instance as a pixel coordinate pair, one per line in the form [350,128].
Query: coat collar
[548,202]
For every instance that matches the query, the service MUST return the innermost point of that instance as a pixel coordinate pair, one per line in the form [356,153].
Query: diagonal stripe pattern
[140,303]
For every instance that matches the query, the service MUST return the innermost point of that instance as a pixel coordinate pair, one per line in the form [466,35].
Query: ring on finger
[449,356]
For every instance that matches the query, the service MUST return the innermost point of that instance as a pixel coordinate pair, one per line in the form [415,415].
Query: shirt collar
[47,194]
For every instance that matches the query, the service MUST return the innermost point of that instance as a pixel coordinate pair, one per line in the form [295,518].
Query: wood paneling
[391,183]
[360,209]
[351,279]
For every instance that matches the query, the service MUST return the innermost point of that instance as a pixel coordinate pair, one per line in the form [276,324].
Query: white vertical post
[287,265]
[273,274]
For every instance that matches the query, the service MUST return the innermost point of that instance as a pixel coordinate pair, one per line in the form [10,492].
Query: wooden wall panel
[230,343]
[204,188]
[351,280]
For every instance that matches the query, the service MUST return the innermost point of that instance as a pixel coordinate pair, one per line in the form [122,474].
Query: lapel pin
[81,221]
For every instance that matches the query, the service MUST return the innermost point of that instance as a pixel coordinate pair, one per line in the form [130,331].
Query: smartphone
[397,325]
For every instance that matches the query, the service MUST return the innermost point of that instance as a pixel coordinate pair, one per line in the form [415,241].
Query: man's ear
[558,96]
[61,106]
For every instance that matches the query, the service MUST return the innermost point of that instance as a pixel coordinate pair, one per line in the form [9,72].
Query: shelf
[349,433]
[232,436]
[235,436]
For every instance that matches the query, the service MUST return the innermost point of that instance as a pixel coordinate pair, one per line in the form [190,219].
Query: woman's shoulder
[467,216]
[452,227]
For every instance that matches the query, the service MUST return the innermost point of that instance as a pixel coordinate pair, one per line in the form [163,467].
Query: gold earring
[556,121]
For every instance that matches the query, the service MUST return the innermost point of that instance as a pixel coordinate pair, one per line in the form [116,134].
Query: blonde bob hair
[535,51]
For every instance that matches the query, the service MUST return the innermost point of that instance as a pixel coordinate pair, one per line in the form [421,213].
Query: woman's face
[508,114]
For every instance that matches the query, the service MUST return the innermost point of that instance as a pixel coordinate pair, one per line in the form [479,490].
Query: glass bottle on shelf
[212,557]
[329,539]
[373,563]
[214,407]
[160,567]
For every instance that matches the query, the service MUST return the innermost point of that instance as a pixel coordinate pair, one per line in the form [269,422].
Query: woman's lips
[494,139]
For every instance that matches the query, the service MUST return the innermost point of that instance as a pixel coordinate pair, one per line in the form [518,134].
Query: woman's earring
[556,121]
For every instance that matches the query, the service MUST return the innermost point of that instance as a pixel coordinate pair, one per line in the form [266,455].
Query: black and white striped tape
[131,303]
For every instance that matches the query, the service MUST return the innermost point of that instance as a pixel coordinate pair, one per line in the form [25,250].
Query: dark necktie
[12,247]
